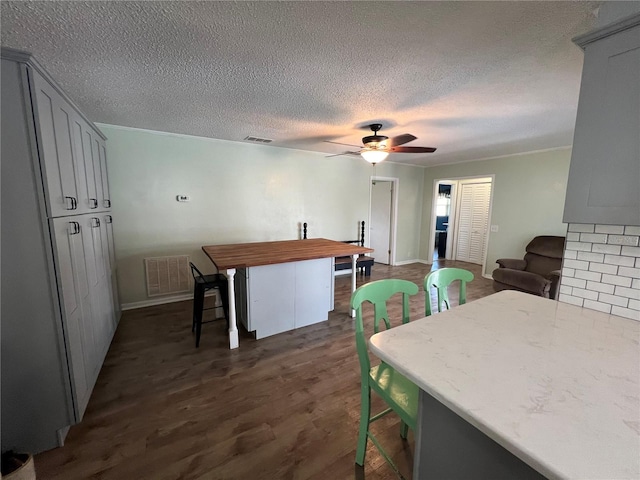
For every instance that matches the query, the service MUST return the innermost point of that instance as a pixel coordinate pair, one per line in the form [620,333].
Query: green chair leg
[404,430]
[365,414]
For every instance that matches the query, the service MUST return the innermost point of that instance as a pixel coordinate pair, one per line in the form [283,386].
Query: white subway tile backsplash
[628,240]
[629,272]
[566,289]
[593,237]
[601,287]
[571,299]
[631,251]
[603,268]
[625,292]
[571,254]
[616,280]
[615,229]
[613,300]
[583,293]
[575,282]
[618,260]
[591,257]
[626,312]
[612,249]
[585,275]
[602,307]
[574,236]
[581,227]
[583,246]
[576,264]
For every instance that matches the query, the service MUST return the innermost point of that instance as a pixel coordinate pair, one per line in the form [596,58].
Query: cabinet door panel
[84,199]
[108,219]
[55,146]
[106,201]
[97,168]
[87,142]
[76,321]
[604,173]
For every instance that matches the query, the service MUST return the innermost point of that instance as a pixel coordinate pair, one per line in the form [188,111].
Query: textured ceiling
[474,79]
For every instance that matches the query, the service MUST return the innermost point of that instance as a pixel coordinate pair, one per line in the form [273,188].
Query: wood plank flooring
[284,407]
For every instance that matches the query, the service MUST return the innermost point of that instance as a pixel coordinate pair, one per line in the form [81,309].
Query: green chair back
[377,293]
[441,279]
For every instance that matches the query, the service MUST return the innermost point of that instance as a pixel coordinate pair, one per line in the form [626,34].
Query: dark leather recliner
[538,273]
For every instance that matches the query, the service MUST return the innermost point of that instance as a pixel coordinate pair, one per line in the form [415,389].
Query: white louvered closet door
[473,222]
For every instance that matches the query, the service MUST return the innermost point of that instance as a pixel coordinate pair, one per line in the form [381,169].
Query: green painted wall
[239,193]
[528,199]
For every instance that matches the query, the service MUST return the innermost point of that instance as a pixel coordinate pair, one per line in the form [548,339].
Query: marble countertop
[555,384]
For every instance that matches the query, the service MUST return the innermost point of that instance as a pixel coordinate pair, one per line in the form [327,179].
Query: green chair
[400,394]
[441,279]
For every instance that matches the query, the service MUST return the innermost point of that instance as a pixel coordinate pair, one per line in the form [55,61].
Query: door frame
[395,185]
[453,223]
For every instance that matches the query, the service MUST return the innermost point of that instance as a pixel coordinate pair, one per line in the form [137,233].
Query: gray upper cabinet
[604,176]
[59,311]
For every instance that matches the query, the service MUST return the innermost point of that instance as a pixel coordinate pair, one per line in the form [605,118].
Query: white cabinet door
[271,298]
[106,198]
[77,309]
[55,143]
[313,291]
[97,168]
[108,222]
[87,195]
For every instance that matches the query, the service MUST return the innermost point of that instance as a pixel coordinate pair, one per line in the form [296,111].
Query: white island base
[272,299]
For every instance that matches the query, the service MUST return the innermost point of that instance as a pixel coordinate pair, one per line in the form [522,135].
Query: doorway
[464,205]
[382,218]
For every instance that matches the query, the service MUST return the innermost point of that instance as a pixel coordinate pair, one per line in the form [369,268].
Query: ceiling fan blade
[412,149]
[338,143]
[343,153]
[401,139]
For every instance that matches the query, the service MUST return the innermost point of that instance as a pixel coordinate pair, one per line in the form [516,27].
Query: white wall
[528,199]
[239,193]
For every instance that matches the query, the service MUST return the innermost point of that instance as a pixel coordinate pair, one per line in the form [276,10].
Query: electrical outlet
[183,198]
[494,228]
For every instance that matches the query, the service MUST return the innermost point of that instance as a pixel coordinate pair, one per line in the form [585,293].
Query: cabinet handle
[96,222]
[107,203]
[94,202]
[72,204]
[76,228]
[108,219]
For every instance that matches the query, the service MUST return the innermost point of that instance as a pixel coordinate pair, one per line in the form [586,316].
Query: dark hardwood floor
[284,407]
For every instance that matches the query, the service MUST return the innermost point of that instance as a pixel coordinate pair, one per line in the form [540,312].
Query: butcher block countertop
[242,255]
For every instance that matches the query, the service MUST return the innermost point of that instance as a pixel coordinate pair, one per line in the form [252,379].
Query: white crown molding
[583,40]
[28,59]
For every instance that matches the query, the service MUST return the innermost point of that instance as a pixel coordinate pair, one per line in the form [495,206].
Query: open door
[382,222]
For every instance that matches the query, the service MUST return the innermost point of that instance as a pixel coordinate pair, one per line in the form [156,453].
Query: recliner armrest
[513,263]
[554,276]
[523,281]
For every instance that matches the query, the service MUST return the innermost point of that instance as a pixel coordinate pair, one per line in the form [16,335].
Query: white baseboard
[338,273]
[407,262]
[487,276]
[163,300]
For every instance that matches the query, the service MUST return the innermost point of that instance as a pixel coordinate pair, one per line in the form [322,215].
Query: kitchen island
[280,285]
[517,386]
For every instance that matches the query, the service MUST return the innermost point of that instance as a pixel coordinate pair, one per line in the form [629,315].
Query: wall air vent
[257,139]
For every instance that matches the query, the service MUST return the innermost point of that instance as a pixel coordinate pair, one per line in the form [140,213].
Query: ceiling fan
[376,147]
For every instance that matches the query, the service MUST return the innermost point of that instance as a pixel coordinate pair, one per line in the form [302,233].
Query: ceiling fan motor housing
[373,141]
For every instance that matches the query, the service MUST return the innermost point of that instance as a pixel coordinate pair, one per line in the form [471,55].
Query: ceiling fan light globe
[374,156]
